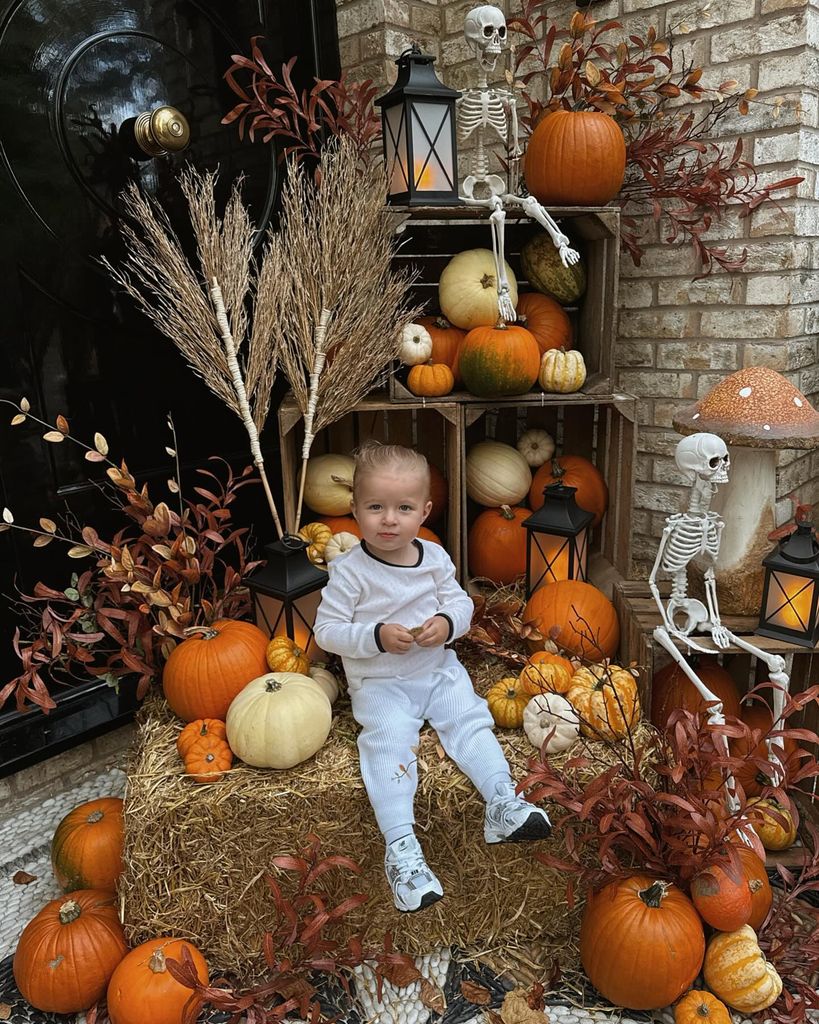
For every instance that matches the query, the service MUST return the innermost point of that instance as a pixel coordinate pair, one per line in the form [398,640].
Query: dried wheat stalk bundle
[345,306]
[204,310]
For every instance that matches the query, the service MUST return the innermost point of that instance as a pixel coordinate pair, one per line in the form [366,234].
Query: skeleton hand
[720,636]
[568,256]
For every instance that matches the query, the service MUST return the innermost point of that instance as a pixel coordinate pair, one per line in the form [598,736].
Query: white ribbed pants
[391,713]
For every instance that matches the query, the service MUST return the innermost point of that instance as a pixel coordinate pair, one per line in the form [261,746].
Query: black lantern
[557,542]
[789,595]
[418,122]
[286,593]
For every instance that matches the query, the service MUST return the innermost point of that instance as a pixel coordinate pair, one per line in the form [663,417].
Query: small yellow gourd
[773,823]
[507,702]
[328,484]
[316,535]
[605,698]
[561,371]
[285,655]
[736,971]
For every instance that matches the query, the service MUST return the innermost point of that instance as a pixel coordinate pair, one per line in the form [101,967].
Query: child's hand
[395,639]
[434,632]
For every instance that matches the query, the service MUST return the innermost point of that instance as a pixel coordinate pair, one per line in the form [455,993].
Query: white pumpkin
[278,720]
[326,680]
[339,544]
[496,474]
[561,371]
[328,487]
[468,289]
[416,345]
[536,446]
[548,711]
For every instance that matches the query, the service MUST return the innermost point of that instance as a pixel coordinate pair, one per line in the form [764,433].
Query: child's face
[390,508]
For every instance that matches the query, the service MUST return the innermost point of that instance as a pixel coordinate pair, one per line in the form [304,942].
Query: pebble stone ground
[26,826]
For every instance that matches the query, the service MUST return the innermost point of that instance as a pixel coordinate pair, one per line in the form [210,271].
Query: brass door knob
[164,130]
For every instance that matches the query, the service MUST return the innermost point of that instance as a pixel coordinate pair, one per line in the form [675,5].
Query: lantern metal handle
[161,131]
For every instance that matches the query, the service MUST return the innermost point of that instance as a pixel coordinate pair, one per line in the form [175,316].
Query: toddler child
[390,606]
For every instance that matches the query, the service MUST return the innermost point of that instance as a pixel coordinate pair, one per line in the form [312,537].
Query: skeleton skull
[706,455]
[485,31]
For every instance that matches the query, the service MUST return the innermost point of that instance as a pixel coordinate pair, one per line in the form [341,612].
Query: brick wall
[679,336]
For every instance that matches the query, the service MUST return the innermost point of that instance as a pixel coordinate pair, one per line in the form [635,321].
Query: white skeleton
[688,536]
[487,109]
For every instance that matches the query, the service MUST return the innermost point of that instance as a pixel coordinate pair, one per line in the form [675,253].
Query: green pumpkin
[541,263]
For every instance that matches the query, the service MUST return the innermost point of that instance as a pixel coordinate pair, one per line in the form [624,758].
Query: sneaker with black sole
[511,819]
[413,884]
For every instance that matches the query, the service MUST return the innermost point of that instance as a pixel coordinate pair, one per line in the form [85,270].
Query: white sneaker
[511,819]
[413,884]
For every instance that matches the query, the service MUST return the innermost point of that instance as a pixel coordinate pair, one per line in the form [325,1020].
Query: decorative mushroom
[755,411]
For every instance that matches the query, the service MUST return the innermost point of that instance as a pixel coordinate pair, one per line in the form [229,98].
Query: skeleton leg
[532,208]
[497,219]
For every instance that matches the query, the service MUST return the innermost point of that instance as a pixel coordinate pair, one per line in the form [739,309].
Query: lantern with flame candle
[286,593]
[418,120]
[789,595]
[557,542]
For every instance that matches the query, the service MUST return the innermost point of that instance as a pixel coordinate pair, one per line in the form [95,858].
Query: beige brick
[426,20]
[808,382]
[776,255]
[716,288]
[707,381]
[690,17]
[666,323]
[777,149]
[766,354]
[811,320]
[636,294]
[659,499]
[664,412]
[697,355]
[661,385]
[642,469]
[640,521]
[396,12]
[769,289]
[661,442]
[772,36]
[7,789]
[792,477]
[783,71]
[772,6]
[453,16]
[644,412]
[801,352]
[665,471]
[641,5]
[662,261]
[634,353]
[752,323]
[349,51]
[807,219]
[365,15]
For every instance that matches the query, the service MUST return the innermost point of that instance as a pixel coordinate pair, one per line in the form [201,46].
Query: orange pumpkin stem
[208,632]
[157,962]
[703,1010]
[69,911]
[557,470]
[94,817]
[654,895]
[507,512]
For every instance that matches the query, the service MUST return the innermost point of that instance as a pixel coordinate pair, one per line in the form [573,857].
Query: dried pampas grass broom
[345,306]
[204,310]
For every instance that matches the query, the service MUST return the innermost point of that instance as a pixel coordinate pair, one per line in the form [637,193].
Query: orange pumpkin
[432,380]
[496,361]
[552,659]
[438,493]
[342,524]
[551,676]
[671,688]
[285,655]
[206,671]
[585,619]
[546,319]
[575,158]
[758,716]
[572,471]
[756,878]
[446,340]
[68,951]
[208,759]
[722,901]
[86,849]
[142,988]
[496,545]
[196,730]
[701,1008]
[641,942]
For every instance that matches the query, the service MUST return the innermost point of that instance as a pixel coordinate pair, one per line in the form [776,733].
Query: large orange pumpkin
[68,952]
[575,158]
[546,320]
[757,716]
[206,671]
[86,849]
[502,360]
[142,988]
[641,942]
[497,544]
[586,621]
[572,471]
[446,340]
[671,688]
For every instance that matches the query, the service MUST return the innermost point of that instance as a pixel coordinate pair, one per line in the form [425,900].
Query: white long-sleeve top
[364,592]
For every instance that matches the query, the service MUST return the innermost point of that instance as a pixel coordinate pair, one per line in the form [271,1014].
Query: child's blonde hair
[373,457]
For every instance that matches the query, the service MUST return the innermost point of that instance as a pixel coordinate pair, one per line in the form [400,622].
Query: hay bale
[196,855]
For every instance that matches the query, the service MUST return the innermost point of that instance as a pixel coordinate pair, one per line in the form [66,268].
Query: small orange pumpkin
[701,1008]
[86,850]
[285,655]
[496,544]
[196,730]
[546,319]
[722,901]
[143,989]
[552,676]
[208,759]
[431,380]
[446,340]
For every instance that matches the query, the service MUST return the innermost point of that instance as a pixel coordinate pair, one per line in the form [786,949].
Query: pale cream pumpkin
[536,446]
[326,680]
[416,345]
[550,713]
[468,289]
[737,972]
[338,544]
[328,486]
[278,720]
[496,474]
[561,371]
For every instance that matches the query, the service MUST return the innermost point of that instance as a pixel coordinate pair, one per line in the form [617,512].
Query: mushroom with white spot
[755,411]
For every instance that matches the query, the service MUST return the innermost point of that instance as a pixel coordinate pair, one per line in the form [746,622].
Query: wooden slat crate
[433,431]
[600,428]
[430,237]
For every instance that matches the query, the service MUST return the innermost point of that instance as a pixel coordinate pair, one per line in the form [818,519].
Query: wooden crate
[433,431]
[430,237]
[600,428]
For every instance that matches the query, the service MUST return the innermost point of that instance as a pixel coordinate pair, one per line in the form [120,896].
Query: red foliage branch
[166,570]
[674,168]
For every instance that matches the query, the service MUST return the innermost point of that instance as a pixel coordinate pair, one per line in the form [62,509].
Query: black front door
[76,73]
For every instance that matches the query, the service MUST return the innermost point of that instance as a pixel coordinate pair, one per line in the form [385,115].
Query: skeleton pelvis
[687,615]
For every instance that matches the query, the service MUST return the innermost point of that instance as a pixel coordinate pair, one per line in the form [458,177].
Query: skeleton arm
[652,579]
[532,208]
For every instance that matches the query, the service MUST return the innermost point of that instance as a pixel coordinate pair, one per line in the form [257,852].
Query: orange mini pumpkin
[546,319]
[86,850]
[446,340]
[431,380]
[507,702]
[208,759]
[721,900]
[701,1008]
[196,730]
[285,655]
[552,676]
